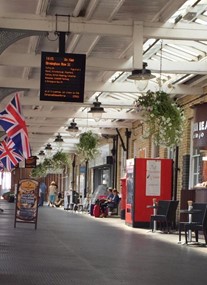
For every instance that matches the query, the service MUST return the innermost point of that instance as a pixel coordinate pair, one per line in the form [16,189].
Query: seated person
[59,203]
[113,203]
[110,195]
[104,203]
[60,200]
[115,200]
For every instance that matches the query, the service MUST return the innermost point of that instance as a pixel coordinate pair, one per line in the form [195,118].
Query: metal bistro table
[154,207]
[190,213]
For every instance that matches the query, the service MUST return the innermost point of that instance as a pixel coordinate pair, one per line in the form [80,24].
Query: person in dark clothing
[104,202]
[60,200]
[42,191]
[111,204]
[115,200]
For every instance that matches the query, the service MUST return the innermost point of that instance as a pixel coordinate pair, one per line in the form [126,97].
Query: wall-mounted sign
[130,180]
[27,202]
[30,162]
[62,77]
[200,126]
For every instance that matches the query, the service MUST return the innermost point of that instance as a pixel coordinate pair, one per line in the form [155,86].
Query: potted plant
[39,171]
[163,118]
[60,160]
[87,147]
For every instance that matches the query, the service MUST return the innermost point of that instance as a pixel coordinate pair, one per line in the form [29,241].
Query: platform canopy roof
[116,36]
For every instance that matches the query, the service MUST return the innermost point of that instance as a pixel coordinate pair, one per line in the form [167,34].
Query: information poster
[153,178]
[27,202]
[130,180]
[62,77]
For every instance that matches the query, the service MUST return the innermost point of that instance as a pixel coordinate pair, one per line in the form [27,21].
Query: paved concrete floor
[74,248]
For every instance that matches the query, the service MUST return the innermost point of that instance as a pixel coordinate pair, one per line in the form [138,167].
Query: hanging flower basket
[163,118]
[56,164]
[88,145]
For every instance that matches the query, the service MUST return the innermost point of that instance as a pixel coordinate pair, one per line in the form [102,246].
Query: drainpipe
[128,136]
[114,155]
[175,173]
[73,178]
[86,179]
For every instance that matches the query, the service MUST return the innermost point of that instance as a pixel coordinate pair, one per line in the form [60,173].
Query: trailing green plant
[59,160]
[39,171]
[87,147]
[48,163]
[163,118]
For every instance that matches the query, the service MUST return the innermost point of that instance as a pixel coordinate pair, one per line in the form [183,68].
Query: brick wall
[184,148]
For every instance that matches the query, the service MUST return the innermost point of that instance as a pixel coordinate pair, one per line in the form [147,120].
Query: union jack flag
[1,167]
[13,122]
[9,156]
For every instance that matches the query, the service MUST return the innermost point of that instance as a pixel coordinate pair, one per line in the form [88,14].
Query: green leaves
[164,119]
[87,148]
[39,171]
[60,160]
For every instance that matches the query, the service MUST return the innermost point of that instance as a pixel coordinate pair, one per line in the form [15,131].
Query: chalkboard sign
[62,77]
[27,202]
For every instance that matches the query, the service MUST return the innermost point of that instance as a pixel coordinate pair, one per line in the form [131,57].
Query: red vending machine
[123,198]
[146,179]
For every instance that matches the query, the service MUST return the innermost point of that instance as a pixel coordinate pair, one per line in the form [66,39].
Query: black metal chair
[197,218]
[166,212]
[197,226]
[172,213]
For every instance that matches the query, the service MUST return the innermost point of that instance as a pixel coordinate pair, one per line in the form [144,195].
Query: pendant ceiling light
[73,128]
[97,110]
[41,153]
[48,149]
[59,140]
[141,77]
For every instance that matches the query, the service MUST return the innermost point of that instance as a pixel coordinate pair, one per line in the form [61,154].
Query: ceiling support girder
[154,30]
[92,86]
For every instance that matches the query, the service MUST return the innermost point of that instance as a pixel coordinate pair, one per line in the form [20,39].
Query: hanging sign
[200,126]
[27,202]
[31,162]
[62,77]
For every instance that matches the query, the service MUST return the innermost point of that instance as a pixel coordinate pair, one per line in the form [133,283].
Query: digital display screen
[62,77]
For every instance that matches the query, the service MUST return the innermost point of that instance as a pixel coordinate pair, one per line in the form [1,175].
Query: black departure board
[62,77]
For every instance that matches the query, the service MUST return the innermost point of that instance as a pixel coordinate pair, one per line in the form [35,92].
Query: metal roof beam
[83,124]
[118,28]
[110,64]
[171,31]
[92,86]
[77,25]
[68,114]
